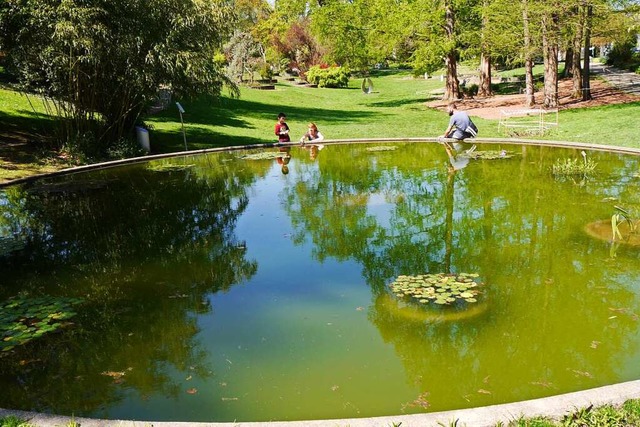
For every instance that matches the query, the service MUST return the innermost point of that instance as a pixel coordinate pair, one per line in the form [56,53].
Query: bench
[531,121]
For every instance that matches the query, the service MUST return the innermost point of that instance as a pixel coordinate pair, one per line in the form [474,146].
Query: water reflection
[283,158]
[458,155]
[143,250]
[212,286]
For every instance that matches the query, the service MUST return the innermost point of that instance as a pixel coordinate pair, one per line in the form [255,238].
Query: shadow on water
[195,222]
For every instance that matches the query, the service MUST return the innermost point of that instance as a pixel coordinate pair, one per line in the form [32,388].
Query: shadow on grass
[507,88]
[197,139]
[229,112]
[400,102]
[25,127]
[388,72]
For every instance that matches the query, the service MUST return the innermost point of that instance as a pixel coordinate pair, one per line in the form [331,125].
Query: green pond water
[218,288]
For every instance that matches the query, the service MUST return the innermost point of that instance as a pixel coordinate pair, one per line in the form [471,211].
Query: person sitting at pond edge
[312,135]
[460,124]
[282,129]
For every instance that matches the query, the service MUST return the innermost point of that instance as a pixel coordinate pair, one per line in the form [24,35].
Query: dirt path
[602,93]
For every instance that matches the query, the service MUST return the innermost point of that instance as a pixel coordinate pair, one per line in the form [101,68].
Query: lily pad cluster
[264,155]
[8,245]
[440,288]
[490,154]
[23,318]
[382,148]
[168,167]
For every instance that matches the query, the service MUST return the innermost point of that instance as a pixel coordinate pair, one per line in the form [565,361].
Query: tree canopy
[102,62]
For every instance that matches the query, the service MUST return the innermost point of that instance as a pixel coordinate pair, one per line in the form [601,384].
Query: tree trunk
[576,71]
[568,62]
[448,230]
[528,60]
[452,86]
[550,56]
[586,92]
[484,88]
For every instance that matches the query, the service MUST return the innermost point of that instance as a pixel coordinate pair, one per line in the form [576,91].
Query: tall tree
[439,30]
[550,21]
[452,85]
[587,11]
[484,88]
[102,62]
[347,29]
[528,55]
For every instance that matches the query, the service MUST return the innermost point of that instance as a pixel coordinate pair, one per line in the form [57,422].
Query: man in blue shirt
[460,125]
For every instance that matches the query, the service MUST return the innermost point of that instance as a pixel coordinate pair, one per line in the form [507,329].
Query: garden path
[611,86]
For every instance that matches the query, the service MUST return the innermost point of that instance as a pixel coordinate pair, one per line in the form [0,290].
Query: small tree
[299,47]
[246,55]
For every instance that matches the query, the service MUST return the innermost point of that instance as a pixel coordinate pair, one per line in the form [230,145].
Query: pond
[256,285]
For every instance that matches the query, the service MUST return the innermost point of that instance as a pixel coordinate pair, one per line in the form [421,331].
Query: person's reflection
[283,159]
[314,150]
[458,156]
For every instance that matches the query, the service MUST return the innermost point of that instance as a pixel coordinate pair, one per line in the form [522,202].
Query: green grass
[13,421]
[395,109]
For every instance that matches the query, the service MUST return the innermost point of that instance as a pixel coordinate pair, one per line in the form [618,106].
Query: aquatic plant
[623,216]
[440,288]
[13,421]
[24,318]
[564,167]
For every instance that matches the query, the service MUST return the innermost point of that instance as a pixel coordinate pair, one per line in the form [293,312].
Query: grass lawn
[396,108]
[19,125]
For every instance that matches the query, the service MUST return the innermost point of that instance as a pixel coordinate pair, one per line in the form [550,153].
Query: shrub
[266,71]
[470,90]
[328,77]
[220,59]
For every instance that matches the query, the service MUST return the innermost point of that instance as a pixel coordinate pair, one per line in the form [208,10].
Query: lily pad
[263,155]
[441,288]
[382,148]
[26,318]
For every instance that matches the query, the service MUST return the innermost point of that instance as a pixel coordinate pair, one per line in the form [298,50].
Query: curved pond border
[554,407]
[513,141]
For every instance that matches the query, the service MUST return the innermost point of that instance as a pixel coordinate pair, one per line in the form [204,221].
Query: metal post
[184,135]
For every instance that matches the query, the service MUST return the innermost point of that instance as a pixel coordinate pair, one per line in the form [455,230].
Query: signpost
[184,136]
